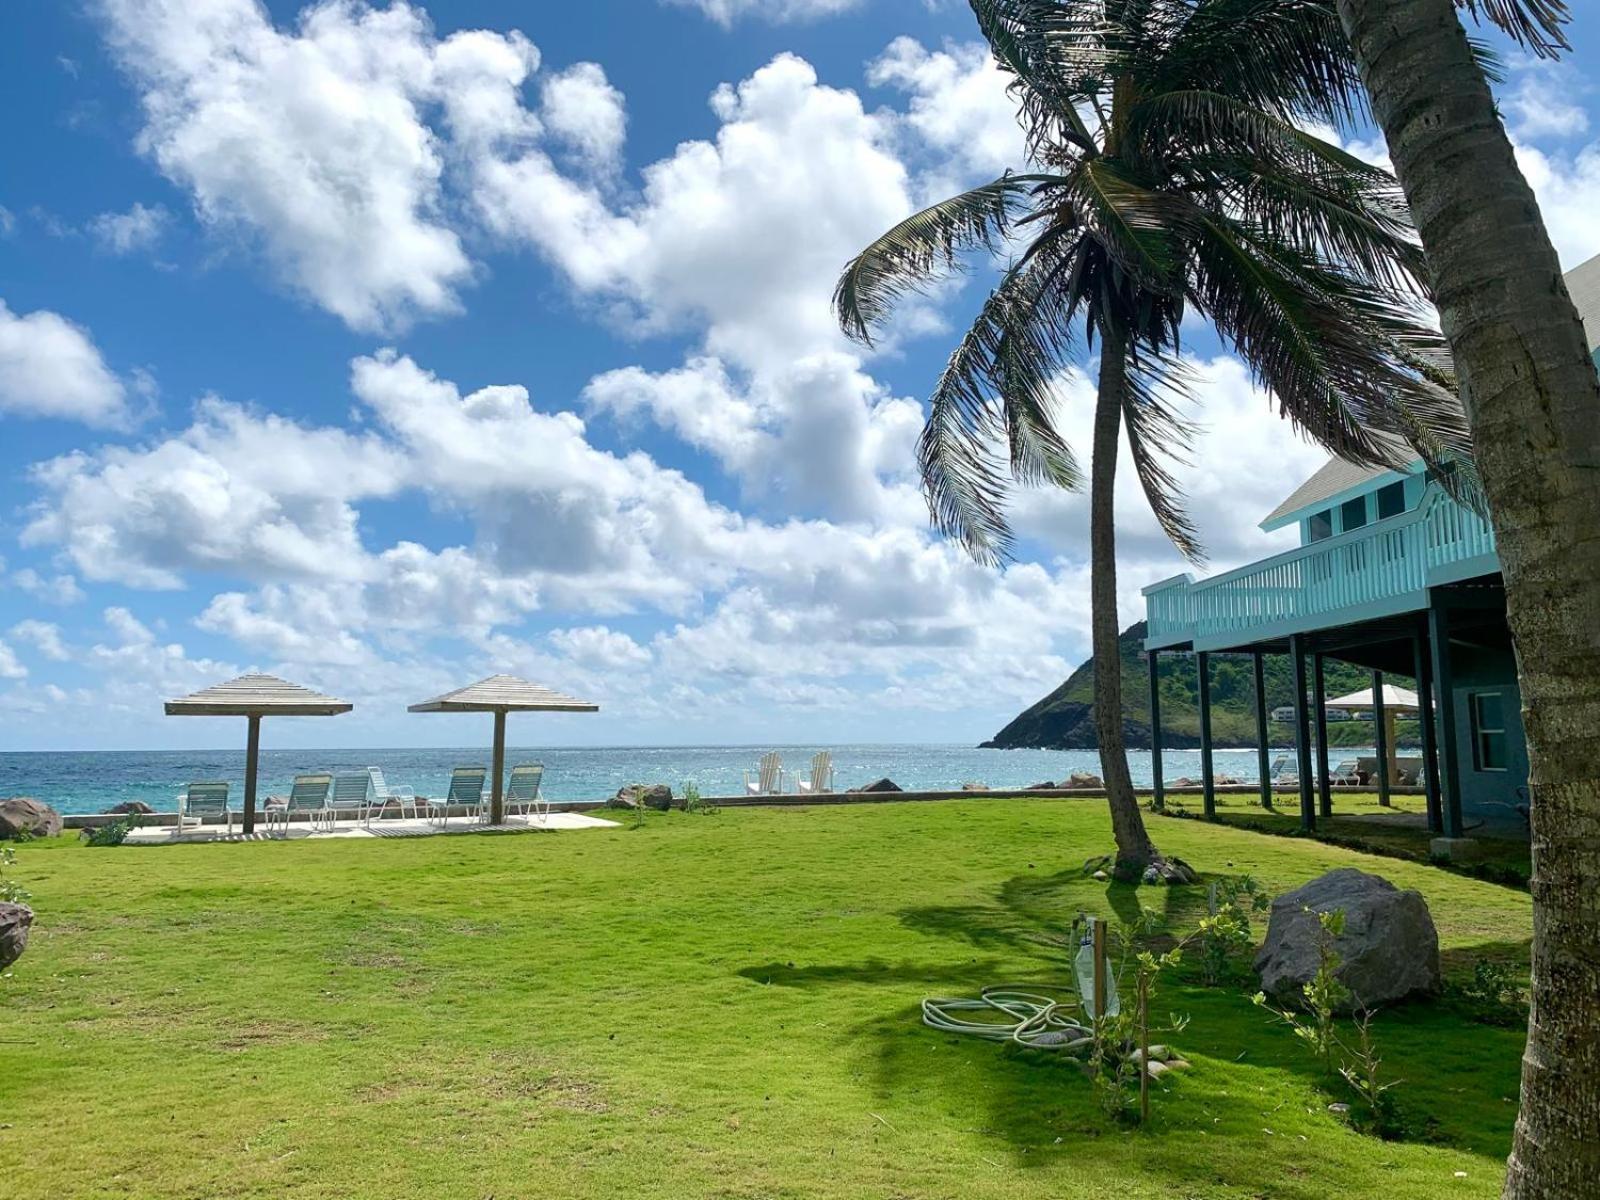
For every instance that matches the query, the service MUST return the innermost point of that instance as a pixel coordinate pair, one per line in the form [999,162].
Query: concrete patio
[166,835]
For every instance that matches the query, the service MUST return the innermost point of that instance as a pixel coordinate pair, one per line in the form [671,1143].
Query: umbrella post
[251,754]
[497,800]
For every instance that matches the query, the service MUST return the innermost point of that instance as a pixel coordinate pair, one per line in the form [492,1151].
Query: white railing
[1366,569]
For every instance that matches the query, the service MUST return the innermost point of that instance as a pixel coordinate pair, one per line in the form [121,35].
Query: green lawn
[715,1006]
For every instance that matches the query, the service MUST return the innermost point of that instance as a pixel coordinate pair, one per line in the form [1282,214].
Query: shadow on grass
[1458,1079]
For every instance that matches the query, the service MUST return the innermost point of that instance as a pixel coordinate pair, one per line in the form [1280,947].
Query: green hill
[1064,720]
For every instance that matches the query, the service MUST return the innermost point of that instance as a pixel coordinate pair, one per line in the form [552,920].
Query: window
[1489,731]
[1391,500]
[1320,526]
[1352,514]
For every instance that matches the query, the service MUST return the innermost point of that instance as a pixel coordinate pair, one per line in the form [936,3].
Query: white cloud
[50,367]
[1566,186]
[959,110]
[140,228]
[726,12]
[1543,101]
[257,496]
[600,646]
[10,668]
[42,636]
[60,590]
[309,143]
[582,109]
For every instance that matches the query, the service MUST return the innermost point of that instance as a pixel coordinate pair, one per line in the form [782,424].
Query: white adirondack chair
[821,779]
[768,779]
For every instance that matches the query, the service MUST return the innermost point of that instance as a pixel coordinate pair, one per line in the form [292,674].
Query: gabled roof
[503,693]
[256,695]
[1337,476]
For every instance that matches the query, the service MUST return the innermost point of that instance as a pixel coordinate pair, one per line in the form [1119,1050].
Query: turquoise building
[1393,575]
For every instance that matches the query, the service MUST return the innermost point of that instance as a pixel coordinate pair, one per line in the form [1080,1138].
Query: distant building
[1394,575]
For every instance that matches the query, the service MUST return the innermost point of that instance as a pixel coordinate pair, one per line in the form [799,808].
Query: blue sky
[384,347]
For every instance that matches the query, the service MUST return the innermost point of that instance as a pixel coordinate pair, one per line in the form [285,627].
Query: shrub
[1224,932]
[1495,994]
[11,892]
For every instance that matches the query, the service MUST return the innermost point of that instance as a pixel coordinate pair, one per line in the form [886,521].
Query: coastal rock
[23,816]
[1049,785]
[974,786]
[128,808]
[656,795]
[15,920]
[880,785]
[1389,948]
[1085,779]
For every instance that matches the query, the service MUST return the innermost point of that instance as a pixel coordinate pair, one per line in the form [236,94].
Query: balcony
[1381,570]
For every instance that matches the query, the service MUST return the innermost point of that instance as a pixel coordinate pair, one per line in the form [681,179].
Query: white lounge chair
[208,798]
[821,779]
[352,793]
[1346,774]
[309,794]
[768,779]
[383,795]
[466,791]
[522,790]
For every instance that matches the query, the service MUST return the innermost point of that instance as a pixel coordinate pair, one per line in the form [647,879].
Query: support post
[1302,733]
[252,756]
[1324,786]
[1384,743]
[1158,796]
[497,798]
[1448,743]
[1208,781]
[1263,768]
[1430,759]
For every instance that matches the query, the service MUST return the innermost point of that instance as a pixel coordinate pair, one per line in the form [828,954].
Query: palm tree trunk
[1534,402]
[1135,851]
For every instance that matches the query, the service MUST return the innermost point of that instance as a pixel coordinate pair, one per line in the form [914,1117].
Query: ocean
[91,782]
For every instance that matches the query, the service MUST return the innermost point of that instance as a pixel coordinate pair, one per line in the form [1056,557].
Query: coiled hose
[1029,1019]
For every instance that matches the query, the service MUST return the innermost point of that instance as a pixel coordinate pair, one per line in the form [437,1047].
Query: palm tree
[1168,169]
[1533,399]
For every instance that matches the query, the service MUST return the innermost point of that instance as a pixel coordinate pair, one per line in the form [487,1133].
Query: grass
[718,1007]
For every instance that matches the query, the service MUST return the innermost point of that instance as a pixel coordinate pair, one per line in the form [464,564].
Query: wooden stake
[1098,929]
[1144,1049]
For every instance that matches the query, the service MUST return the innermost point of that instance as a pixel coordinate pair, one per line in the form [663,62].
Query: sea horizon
[91,781]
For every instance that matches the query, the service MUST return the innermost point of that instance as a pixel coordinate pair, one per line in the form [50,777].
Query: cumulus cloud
[59,590]
[43,637]
[50,367]
[599,645]
[140,228]
[1565,186]
[10,668]
[726,12]
[581,108]
[1542,101]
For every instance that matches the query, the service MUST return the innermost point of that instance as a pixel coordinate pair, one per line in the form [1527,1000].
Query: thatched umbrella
[254,697]
[1384,706]
[500,694]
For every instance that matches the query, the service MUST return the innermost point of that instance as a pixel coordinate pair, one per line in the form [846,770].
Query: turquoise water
[93,782]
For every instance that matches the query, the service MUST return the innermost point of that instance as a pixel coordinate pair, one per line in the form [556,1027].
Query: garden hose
[1030,1019]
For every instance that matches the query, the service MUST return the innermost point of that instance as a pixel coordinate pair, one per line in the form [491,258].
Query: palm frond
[1159,435]
[1536,24]
[998,387]
[1284,57]
[923,248]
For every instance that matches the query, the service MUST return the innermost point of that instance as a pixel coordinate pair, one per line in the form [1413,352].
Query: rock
[23,816]
[1101,876]
[1389,948]
[658,796]
[1226,781]
[129,808]
[15,920]
[1049,785]
[1085,779]
[1151,875]
[655,795]
[974,786]
[625,798]
[880,785]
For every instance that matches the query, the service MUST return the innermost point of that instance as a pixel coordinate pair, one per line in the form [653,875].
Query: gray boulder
[130,808]
[1389,949]
[23,816]
[15,919]
[1085,779]
[880,785]
[657,796]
